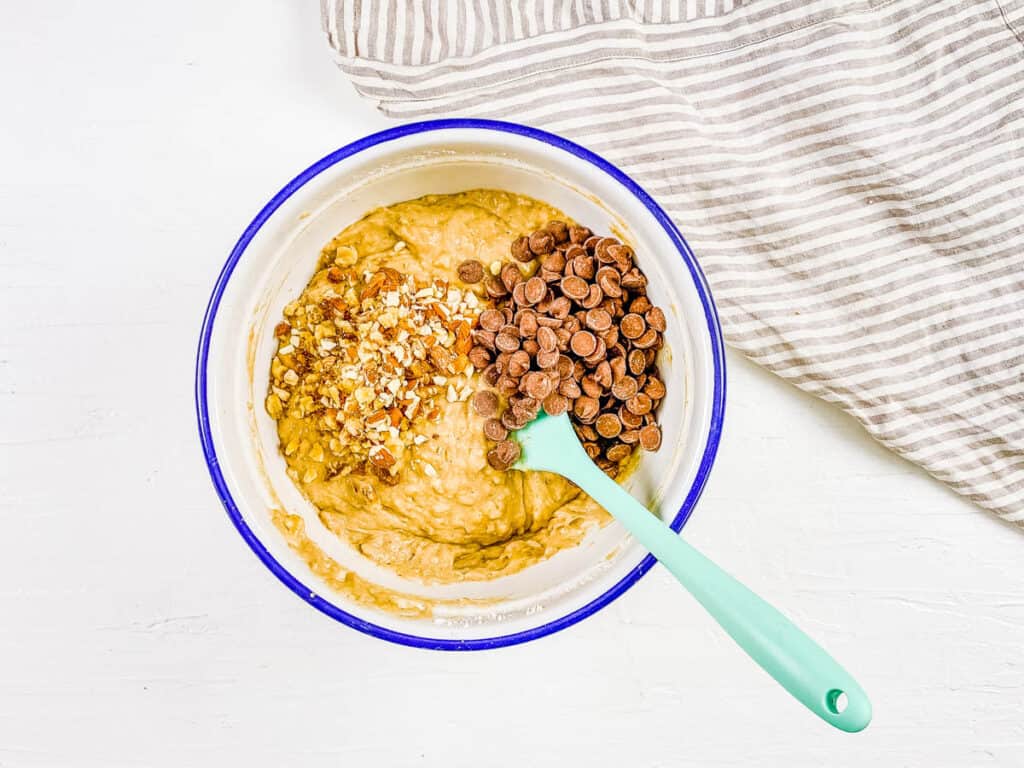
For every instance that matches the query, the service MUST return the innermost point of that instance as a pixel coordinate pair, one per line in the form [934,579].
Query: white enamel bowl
[271,264]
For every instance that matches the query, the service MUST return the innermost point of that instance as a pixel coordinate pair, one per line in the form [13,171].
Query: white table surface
[136,141]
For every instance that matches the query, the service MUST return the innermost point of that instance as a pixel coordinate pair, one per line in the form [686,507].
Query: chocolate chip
[575,357]
[506,340]
[647,339]
[548,276]
[618,367]
[547,338]
[544,305]
[494,287]
[639,404]
[584,266]
[625,266]
[650,437]
[620,251]
[490,375]
[637,362]
[639,305]
[471,271]
[575,287]
[569,388]
[519,294]
[527,322]
[518,363]
[485,339]
[632,279]
[510,276]
[479,357]
[593,298]
[608,425]
[630,419]
[630,436]
[535,290]
[632,326]
[598,320]
[578,234]
[529,406]
[507,385]
[554,262]
[565,366]
[610,339]
[656,319]
[560,307]
[590,387]
[559,230]
[521,249]
[495,430]
[600,353]
[536,385]
[542,242]
[555,404]
[563,334]
[503,455]
[602,249]
[618,452]
[573,251]
[654,388]
[547,359]
[512,420]
[608,279]
[486,403]
[586,409]
[583,343]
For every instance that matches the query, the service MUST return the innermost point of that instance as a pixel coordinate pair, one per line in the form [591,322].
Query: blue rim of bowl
[203,415]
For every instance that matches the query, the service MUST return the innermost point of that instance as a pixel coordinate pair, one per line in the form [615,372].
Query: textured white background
[136,628]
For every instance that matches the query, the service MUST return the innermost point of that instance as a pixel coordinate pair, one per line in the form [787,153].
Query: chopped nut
[368,367]
[274,407]
[346,256]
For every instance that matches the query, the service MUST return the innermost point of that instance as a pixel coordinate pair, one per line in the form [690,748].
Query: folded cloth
[848,172]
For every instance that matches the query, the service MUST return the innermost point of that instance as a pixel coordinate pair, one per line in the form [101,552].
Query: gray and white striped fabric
[850,175]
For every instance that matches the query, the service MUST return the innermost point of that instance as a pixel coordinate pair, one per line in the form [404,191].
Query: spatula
[797,663]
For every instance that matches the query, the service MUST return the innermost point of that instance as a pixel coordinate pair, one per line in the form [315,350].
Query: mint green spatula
[799,664]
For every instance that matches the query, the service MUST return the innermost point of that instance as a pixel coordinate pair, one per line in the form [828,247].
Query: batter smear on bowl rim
[431,330]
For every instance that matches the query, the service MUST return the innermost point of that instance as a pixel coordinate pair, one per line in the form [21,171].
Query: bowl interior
[279,259]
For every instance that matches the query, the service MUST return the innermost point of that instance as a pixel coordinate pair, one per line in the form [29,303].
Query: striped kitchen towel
[850,174]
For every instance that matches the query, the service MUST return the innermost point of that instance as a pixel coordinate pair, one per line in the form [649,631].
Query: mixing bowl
[271,264]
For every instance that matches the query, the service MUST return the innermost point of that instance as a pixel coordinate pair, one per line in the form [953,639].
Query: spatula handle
[799,664]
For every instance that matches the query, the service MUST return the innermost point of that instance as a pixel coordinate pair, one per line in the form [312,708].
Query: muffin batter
[444,514]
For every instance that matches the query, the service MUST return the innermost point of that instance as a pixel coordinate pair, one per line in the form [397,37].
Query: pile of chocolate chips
[579,335]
